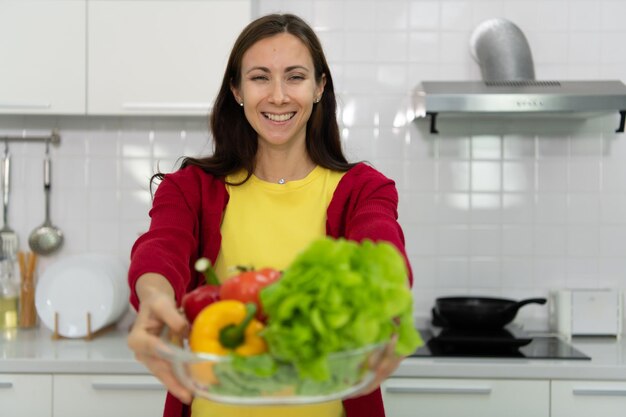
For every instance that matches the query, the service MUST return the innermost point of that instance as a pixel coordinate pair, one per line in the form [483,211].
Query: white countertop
[34,351]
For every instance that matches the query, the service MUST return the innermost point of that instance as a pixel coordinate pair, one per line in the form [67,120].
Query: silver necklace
[281,181]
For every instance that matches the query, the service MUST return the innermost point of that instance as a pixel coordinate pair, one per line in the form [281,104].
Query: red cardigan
[185,224]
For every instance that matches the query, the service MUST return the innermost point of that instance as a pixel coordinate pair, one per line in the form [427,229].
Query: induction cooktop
[510,342]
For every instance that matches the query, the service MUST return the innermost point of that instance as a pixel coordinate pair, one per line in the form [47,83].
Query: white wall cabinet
[410,397]
[113,57]
[588,398]
[42,45]
[159,57]
[25,395]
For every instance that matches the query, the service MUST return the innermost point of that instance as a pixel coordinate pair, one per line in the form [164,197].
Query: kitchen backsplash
[509,208]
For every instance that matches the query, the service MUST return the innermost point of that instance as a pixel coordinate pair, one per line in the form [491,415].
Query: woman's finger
[162,370]
[382,363]
[146,352]
[144,339]
[164,310]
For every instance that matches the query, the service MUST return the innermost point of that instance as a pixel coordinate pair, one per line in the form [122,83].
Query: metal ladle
[46,239]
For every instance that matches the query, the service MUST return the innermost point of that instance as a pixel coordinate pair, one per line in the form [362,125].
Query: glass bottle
[9,293]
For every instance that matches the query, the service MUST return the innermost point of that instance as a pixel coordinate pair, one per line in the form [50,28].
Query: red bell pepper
[195,301]
[245,286]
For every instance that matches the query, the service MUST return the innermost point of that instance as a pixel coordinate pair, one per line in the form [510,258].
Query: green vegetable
[252,376]
[262,375]
[338,295]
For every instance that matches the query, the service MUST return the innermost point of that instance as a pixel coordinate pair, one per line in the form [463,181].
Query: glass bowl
[217,378]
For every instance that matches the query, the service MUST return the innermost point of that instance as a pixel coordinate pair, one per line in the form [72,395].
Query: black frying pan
[479,312]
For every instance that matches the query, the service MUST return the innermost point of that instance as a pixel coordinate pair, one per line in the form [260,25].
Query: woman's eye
[296,77]
[259,78]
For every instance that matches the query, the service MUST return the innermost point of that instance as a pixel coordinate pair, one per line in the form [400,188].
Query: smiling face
[278,90]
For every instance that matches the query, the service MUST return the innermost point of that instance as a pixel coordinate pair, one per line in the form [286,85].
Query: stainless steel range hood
[431,98]
[509,86]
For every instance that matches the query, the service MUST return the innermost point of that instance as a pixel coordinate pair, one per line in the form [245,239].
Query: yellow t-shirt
[267,225]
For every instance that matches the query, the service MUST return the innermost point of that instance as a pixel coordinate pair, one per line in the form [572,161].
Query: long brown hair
[235,141]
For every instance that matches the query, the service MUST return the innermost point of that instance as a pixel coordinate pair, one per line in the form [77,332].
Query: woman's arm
[171,243]
[367,204]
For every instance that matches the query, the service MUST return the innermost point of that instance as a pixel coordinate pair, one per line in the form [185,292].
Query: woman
[277,180]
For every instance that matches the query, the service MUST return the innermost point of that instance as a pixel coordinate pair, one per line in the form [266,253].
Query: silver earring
[241,104]
[317,100]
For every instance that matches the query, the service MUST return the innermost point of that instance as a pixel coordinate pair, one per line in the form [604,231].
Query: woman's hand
[156,311]
[383,364]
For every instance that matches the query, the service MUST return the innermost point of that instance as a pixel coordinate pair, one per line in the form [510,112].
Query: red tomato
[246,286]
[270,273]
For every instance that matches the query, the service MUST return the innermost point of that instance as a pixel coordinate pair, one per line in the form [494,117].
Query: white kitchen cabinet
[113,57]
[107,395]
[410,397]
[159,57]
[588,398]
[25,395]
[42,45]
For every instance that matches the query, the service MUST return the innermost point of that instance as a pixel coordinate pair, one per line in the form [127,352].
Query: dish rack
[90,334]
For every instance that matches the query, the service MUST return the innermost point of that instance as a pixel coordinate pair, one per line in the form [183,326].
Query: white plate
[77,286]
[118,274]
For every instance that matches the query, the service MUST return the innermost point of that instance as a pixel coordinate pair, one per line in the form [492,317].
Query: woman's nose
[278,94]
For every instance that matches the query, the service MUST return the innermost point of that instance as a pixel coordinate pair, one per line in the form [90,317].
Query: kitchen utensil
[8,237]
[479,312]
[47,238]
[81,294]
[502,51]
[218,378]
[27,311]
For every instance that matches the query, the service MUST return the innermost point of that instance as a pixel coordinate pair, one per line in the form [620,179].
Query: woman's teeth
[279,117]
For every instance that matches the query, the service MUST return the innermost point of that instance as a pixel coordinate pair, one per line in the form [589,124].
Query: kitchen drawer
[106,395]
[25,395]
[588,398]
[410,397]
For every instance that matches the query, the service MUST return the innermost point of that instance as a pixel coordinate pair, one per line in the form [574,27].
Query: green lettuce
[338,295]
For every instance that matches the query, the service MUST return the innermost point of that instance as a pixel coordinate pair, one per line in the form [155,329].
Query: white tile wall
[488,207]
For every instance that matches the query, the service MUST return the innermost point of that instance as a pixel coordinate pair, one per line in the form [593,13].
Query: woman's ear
[236,94]
[319,89]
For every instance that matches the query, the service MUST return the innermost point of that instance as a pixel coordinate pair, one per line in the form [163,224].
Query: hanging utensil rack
[54,138]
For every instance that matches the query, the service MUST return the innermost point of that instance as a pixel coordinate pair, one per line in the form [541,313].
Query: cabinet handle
[12,105]
[439,390]
[6,385]
[615,392]
[165,106]
[127,386]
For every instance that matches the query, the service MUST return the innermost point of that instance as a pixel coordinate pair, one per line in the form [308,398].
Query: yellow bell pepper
[227,326]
